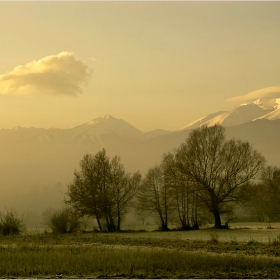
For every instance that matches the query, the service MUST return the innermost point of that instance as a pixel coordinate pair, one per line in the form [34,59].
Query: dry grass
[97,262]
[134,255]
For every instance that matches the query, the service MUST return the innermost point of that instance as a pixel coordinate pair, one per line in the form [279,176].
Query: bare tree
[183,192]
[102,189]
[84,191]
[104,180]
[154,195]
[258,200]
[271,180]
[125,187]
[271,176]
[218,167]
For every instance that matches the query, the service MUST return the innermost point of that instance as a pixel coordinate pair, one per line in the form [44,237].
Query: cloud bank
[60,74]
[265,93]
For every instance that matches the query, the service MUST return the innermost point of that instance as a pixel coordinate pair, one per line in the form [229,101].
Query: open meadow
[244,251]
[242,232]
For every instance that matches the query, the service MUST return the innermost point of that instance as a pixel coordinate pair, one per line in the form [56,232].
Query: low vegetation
[11,223]
[132,255]
[64,221]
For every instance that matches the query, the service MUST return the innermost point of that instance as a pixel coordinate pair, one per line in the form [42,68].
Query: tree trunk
[119,222]
[110,224]
[163,223]
[119,217]
[194,212]
[99,223]
[164,226]
[218,223]
[185,226]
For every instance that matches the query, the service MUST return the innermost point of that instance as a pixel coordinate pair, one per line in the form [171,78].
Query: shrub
[11,223]
[64,221]
[214,238]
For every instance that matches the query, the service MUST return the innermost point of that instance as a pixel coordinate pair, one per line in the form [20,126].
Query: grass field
[243,232]
[245,251]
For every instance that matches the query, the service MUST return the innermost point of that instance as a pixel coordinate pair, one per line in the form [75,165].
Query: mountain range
[44,157]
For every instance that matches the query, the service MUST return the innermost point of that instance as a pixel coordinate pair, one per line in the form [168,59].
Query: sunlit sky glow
[153,64]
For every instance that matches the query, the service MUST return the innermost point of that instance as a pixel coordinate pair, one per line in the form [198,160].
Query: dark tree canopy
[183,192]
[155,195]
[217,166]
[271,180]
[102,189]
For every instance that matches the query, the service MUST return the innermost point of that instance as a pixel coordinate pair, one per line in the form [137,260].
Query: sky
[156,65]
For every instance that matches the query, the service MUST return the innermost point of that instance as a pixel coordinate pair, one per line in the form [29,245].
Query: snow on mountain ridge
[274,114]
[102,128]
[259,109]
[267,104]
[102,119]
[202,120]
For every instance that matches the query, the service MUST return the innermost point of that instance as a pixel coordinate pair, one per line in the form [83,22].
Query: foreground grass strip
[92,261]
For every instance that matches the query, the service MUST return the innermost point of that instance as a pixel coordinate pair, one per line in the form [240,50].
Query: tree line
[205,174]
[263,197]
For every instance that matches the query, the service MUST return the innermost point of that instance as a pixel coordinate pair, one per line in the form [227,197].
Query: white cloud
[265,93]
[56,74]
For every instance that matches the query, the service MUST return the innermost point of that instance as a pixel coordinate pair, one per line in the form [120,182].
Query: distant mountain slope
[100,128]
[156,133]
[259,109]
[23,135]
[263,134]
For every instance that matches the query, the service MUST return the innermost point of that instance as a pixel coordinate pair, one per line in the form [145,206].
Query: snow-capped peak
[267,104]
[105,127]
[259,109]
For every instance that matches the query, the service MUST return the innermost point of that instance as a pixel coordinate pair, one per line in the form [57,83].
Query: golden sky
[153,64]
